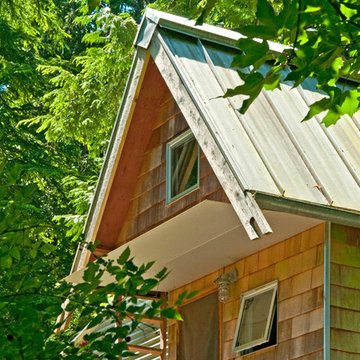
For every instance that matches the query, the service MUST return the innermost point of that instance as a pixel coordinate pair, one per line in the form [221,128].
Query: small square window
[182,166]
[257,323]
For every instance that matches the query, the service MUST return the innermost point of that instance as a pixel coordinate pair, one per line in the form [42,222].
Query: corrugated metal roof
[269,149]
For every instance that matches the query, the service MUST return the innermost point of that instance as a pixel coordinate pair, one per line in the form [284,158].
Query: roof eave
[302,208]
[206,32]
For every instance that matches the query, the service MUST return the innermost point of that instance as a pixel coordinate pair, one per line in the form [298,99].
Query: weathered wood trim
[244,204]
[327,302]
[138,137]
[145,350]
[203,293]
[155,320]
[108,169]
[163,329]
[221,328]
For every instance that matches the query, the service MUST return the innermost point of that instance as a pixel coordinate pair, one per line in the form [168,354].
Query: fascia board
[145,32]
[207,32]
[311,210]
[186,26]
[112,156]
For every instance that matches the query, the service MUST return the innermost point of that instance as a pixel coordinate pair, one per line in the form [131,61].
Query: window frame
[170,146]
[273,305]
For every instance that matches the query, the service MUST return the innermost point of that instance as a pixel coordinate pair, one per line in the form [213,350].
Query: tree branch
[22,229]
[297,31]
[343,17]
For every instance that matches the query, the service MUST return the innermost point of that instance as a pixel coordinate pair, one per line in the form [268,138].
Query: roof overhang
[321,212]
[201,240]
[153,18]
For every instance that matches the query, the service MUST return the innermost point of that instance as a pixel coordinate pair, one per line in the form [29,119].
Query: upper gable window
[182,166]
[257,324]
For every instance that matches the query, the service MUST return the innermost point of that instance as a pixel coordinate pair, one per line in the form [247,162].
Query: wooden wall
[147,208]
[298,264]
[345,293]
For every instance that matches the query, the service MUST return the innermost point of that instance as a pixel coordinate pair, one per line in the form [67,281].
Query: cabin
[258,212]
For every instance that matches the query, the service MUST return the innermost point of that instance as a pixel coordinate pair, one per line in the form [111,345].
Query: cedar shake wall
[345,293]
[298,264]
[147,208]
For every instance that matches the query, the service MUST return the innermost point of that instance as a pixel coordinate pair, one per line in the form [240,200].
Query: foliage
[321,41]
[60,86]
[84,101]
[225,13]
[40,178]
[27,333]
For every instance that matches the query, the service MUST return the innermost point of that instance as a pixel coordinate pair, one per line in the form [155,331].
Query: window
[257,323]
[182,166]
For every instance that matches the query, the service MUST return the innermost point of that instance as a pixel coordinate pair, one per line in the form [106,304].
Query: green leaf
[96,321]
[148,265]
[92,5]
[317,108]
[131,266]
[205,11]
[33,253]
[148,285]
[87,311]
[310,9]
[89,273]
[6,261]
[272,81]
[162,274]
[349,11]
[350,102]
[31,283]
[331,117]
[124,256]
[181,298]
[171,313]
[54,310]
[258,31]
[266,15]
[47,249]
[254,51]
[253,83]
[192,294]
[15,253]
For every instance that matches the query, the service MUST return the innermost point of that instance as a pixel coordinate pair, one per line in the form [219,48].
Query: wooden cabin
[259,212]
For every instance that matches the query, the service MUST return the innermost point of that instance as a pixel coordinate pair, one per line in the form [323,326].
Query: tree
[224,13]
[50,160]
[28,327]
[321,40]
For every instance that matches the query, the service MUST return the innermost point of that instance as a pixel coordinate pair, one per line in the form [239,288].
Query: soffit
[201,240]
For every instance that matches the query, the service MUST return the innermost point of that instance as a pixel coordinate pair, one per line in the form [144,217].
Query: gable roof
[266,152]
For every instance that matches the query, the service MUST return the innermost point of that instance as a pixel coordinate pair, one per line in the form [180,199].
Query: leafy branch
[336,7]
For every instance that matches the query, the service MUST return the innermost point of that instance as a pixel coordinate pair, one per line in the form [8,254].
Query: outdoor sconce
[224,282]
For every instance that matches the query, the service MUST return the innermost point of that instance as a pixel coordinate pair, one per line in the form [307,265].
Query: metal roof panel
[269,149]
[221,116]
